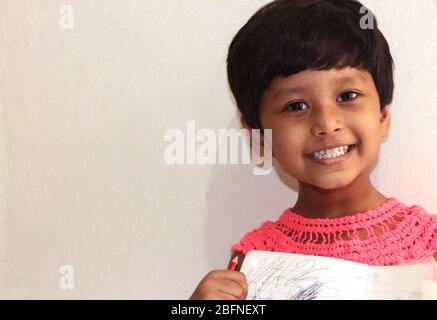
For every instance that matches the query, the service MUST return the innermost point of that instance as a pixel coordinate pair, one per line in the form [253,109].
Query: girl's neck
[359,196]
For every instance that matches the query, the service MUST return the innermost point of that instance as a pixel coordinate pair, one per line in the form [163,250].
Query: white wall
[83,114]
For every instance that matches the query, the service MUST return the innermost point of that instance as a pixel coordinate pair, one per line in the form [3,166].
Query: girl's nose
[327,121]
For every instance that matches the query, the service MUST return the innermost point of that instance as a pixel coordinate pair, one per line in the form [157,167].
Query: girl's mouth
[333,158]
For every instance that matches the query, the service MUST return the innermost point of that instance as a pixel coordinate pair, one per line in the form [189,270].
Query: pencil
[233,264]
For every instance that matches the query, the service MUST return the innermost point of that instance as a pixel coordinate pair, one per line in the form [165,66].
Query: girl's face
[311,109]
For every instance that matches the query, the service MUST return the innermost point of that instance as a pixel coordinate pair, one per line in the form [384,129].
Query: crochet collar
[386,216]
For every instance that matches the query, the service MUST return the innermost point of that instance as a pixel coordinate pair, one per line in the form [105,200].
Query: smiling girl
[308,71]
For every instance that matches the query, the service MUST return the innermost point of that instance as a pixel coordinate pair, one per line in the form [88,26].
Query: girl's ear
[261,140]
[385,121]
[249,128]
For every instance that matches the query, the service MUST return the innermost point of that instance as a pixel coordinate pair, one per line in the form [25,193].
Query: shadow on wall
[239,201]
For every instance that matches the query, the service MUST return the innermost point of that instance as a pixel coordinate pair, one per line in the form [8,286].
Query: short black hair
[286,37]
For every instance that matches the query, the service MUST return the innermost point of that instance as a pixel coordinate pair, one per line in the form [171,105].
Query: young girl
[322,81]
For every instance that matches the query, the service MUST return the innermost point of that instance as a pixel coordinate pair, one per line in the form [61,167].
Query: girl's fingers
[237,276]
[226,296]
[232,288]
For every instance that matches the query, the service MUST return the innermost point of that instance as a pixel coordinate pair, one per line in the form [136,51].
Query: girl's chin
[330,182]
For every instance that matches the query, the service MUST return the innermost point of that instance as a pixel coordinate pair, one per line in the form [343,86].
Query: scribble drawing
[310,293]
[292,279]
[300,277]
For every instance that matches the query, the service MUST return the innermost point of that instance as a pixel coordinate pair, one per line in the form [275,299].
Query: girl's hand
[222,285]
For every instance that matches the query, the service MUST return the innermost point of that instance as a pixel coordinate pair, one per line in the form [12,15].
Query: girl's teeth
[329,154]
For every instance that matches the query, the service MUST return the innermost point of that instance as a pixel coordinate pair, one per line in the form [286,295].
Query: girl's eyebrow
[338,80]
[349,79]
[288,91]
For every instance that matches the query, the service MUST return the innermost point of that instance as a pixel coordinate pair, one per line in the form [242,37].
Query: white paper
[286,276]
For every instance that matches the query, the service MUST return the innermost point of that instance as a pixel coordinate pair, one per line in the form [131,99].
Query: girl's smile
[338,156]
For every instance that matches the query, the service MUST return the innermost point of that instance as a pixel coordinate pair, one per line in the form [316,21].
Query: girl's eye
[294,106]
[297,106]
[348,96]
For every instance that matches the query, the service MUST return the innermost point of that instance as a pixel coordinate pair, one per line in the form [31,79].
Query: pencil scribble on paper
[295,279]
[284,276]
[309,293]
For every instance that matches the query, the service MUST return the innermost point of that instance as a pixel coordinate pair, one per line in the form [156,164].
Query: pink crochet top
[394,234]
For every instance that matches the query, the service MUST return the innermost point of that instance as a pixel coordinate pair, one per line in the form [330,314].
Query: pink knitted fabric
[395,234]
